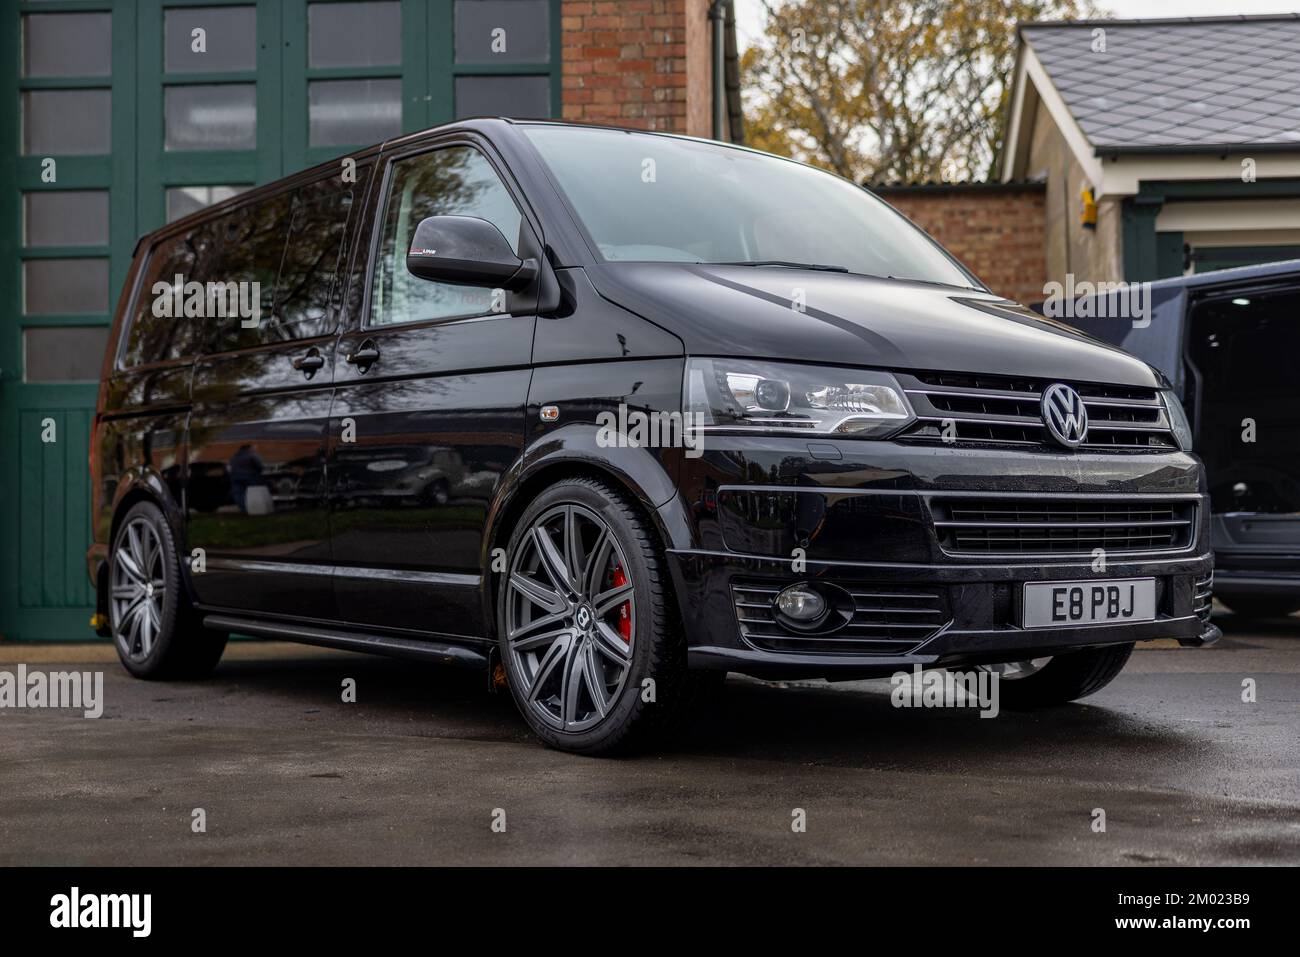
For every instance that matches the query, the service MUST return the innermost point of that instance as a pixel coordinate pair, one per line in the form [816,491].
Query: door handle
[309,364]
[365,355]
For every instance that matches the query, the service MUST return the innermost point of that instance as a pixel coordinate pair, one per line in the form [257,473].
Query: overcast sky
[749,13]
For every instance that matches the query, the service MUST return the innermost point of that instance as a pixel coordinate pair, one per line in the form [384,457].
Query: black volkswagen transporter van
[612,413]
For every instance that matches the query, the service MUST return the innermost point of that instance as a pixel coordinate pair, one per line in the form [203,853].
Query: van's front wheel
[1062,678]
[587,632]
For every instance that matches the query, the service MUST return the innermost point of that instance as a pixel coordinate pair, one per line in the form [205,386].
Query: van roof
[481,124]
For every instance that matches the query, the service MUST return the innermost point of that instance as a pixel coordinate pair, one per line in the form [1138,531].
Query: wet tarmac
[426,761]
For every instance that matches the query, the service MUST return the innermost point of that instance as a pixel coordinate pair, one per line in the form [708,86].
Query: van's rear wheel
[154,628]
[1039,682]
[593,655]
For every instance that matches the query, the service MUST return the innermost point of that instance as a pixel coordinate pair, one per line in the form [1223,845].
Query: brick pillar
[637,63]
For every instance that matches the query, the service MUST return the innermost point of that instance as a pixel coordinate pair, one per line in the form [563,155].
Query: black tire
[1261,606]
[1067,677]
[657,650]
[172,644]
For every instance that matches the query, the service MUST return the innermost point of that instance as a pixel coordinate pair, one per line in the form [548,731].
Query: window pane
[65,218]
[229,39]
[515,96]
[454,181]
[183,200]
[715,203]
[353,112]
[305,288]
[67,44]
[153,338]
[217,117]
[64,353]
[503,31]
[354,34]
[247,246]
[67,122]
[55,287]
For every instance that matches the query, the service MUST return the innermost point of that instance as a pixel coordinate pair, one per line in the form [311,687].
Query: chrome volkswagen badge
[1064,415]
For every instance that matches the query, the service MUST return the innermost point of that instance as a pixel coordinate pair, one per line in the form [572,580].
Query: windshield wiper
[936,282]
[820,267]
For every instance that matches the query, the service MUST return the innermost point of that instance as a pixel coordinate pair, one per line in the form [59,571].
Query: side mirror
[467,251]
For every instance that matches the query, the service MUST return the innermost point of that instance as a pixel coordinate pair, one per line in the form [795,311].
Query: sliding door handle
[310,364]
[365,355]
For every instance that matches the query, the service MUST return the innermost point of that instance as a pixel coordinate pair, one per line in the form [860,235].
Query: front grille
[886,620]
[1046,526]
[1003,410]
[1203,597]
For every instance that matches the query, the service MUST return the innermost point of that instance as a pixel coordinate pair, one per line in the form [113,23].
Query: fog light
[800,603]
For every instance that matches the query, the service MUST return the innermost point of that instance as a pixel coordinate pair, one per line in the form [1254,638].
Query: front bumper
[981,606]
[763,517]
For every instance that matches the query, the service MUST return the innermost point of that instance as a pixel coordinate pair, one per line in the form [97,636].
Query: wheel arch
[509,507]
[144,485]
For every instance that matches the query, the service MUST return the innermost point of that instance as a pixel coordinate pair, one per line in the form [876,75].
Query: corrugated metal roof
[1177,84]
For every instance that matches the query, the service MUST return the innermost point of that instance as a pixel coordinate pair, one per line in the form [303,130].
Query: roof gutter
[1211,149]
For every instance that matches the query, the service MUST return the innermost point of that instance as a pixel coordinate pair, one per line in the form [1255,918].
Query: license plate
[1063,604]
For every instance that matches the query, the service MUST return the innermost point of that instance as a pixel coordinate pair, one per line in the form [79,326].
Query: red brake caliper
[625,609]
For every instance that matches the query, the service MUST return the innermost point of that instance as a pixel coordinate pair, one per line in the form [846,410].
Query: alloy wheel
[570,618]
[138,589]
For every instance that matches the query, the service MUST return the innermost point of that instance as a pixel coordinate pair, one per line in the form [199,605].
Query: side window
[457,181]
[244,250]
[159,328]
[308,285]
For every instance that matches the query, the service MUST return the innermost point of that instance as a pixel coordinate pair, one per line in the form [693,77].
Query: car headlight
[1177,419]
[743,395]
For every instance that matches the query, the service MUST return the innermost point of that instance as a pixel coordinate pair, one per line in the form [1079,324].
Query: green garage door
[119,116]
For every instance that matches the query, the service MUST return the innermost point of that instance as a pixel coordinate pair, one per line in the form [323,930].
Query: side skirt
[438,651]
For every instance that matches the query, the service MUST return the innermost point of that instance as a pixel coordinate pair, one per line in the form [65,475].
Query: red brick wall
[625,63]
[999,233]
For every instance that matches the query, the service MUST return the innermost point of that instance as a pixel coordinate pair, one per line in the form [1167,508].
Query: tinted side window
[457,181]
[169,334]
[308,285]
[247,248]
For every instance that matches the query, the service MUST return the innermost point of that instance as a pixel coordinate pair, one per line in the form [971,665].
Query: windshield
[648,198]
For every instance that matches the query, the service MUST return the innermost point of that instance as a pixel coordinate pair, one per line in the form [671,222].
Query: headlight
[750,396]
[1177,420]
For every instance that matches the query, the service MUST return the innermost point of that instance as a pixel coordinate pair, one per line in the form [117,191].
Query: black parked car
[835,454]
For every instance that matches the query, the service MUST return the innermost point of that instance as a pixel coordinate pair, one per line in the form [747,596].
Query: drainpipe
[718,17]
